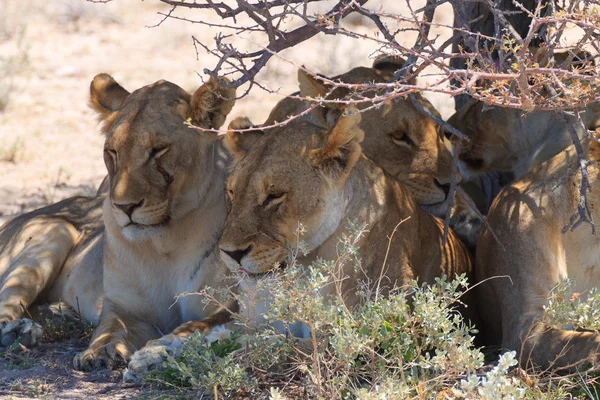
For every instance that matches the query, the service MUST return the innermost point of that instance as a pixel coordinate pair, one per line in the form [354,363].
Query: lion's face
[154,160]
[405,143]
[296,174]
[490,147]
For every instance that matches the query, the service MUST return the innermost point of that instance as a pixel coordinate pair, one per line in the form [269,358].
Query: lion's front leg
[155,352]
[556,349]
[116,338]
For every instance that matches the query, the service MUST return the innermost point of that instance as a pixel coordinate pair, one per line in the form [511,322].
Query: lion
[531,256]
[151,233]
[407,144]
[305,173]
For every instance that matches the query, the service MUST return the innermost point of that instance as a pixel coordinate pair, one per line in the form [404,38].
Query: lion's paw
[24,330]
[151,357]
[104,357]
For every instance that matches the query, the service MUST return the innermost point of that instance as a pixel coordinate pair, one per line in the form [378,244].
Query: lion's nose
[444,186]
[237,255]
[129,208]
[472,162]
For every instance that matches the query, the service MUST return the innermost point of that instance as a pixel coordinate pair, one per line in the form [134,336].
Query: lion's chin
[137,232]
[437,209]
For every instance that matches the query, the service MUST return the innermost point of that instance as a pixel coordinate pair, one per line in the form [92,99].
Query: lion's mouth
[160,224]
[257,275]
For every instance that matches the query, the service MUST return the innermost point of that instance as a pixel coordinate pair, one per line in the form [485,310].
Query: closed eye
[402,139]
[156,152]
[113,155]
[274,199]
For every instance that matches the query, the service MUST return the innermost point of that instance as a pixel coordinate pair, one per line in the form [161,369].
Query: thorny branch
[506,53]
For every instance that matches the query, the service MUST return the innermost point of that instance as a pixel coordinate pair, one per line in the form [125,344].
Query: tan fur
[163,214]
[53,254]
[508,140]
[279,183]
[528,216]
[408,145]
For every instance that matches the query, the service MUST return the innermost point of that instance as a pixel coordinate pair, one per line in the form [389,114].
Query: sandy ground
[50,145]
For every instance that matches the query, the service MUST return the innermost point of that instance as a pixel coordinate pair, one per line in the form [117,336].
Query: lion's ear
[211,103]
[466,117]
[238,143]
[386,66]
[327,114]
[106,95]
[341,149]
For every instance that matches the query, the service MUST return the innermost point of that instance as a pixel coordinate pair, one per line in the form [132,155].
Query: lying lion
[527,217]
[305,173]
[162,219]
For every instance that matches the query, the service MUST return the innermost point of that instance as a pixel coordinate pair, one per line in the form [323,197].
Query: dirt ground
[50,145]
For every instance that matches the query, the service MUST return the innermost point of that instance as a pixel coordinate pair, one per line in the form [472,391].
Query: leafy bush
[203,365]
[567,310]
[408,343]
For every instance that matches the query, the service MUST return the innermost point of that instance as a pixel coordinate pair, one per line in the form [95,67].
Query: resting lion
[407,144]
[163,216]
[527,217]
[302,172]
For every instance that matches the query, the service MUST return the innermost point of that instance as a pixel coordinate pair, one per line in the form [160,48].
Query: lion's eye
[157,152]
[112,154]
[402,138]
[110,159]
[273,199]
[230,193]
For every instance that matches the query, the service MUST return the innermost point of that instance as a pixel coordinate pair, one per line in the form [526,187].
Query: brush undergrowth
[407,343]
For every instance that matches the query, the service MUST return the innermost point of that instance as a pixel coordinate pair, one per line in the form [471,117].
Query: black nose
[237,255]
[444,186]
[475,163]
[129,208]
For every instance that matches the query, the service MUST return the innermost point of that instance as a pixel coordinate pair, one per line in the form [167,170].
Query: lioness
[528,216]
[305,173]
[163,215]
[407,144]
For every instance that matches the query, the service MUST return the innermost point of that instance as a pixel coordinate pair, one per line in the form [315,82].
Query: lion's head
[489,131]
[155,162]
[509,140]
[296,173]
[407,144]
